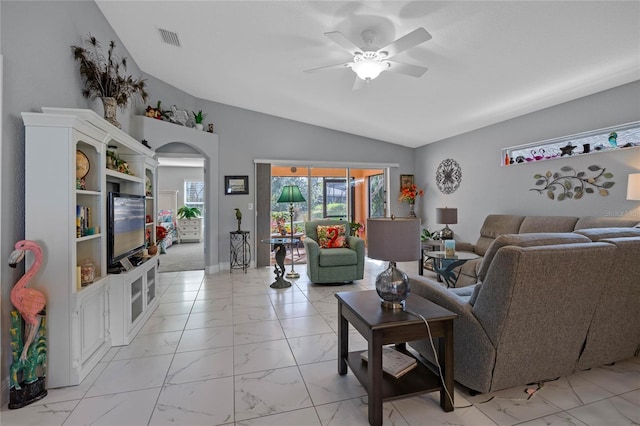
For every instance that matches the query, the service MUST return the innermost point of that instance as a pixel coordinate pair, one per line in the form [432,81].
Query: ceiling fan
[368,61]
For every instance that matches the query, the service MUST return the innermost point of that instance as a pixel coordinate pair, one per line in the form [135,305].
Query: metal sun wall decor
[573,184]
[448,176]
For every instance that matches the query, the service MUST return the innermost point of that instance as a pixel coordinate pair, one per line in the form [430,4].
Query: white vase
[199,126]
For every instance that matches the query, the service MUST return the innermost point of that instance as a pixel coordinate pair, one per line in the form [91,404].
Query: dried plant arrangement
[104,75]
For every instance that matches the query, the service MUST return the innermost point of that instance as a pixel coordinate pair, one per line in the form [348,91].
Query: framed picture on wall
[405,181]
[236,185]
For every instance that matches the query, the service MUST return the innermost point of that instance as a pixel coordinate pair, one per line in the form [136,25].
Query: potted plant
[355,228]
[427,235]
[186,212]
[198,117]
[103,78]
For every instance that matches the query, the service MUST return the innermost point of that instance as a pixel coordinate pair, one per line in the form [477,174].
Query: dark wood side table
[385,326]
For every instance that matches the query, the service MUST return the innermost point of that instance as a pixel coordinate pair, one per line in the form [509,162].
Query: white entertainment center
[83,322]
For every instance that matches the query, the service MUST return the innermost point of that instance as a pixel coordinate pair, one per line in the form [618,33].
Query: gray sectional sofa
[499,224]
[548,304]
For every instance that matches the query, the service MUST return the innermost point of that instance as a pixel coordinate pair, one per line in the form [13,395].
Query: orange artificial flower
[410,193]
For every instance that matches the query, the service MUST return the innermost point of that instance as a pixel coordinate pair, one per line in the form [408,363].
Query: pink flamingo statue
[28,301]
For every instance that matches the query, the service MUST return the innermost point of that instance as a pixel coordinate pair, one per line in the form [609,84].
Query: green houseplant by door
[186,212]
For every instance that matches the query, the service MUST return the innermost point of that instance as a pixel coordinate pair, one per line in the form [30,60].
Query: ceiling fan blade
[340,39]
[414,38]
[402,68]
[330,67]
[359,83]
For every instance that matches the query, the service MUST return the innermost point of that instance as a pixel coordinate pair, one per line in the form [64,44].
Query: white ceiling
[488,61]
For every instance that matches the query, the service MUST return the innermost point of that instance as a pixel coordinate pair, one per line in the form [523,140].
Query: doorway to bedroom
[181,183]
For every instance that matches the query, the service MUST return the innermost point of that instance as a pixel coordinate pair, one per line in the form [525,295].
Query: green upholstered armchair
[333,265]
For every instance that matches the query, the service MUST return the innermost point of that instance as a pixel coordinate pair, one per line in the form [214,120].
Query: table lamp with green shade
[291,194]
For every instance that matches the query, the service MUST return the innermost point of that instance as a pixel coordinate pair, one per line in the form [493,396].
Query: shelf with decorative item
[608,139]
[88,192]
[122,176]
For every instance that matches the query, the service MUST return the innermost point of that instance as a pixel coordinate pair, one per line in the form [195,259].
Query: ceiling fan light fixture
[368,69]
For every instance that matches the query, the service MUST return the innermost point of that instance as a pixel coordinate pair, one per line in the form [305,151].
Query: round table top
[459,255]
[287,240]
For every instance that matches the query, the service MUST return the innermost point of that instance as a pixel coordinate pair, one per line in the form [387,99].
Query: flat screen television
[125,222]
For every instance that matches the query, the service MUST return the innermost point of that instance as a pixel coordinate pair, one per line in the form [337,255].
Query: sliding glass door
[349,194]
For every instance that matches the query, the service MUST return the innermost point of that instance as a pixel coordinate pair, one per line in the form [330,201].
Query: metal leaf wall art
[573,184]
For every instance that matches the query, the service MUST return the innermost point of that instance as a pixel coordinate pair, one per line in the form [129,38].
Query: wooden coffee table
[385,326]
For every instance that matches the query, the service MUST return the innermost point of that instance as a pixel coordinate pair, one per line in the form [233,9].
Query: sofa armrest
[474,353]
[432,290]
[357,244]
[463,246]
[312,249]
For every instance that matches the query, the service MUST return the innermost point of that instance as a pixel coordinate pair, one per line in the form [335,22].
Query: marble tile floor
[226,349]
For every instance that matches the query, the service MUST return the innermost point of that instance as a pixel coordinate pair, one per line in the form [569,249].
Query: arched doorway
[181,183]
[168,138]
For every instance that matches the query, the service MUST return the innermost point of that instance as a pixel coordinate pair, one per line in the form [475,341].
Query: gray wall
[174,177]
[487,187]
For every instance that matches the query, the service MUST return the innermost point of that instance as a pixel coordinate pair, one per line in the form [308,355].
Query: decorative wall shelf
[623,136]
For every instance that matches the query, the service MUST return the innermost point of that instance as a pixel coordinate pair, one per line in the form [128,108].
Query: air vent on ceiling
[170,37]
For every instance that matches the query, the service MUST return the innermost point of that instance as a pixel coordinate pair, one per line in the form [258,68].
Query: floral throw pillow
[332,236]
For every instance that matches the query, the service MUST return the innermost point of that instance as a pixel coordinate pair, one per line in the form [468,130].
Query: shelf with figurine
[180,117]
[624,136]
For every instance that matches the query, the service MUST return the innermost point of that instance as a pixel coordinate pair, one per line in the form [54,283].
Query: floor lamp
[291,194]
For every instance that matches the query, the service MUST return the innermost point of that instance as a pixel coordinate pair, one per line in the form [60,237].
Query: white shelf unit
[79,319]
[133,299]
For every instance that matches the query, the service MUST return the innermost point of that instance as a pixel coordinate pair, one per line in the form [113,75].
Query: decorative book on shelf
[394,362]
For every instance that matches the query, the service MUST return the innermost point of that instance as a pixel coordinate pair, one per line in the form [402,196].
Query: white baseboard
[212,269]
[226,266]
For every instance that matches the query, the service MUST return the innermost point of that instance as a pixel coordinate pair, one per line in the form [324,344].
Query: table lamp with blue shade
[395,240]
[291,194]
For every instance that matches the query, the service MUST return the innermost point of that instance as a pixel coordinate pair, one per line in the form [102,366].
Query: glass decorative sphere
[393,287]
